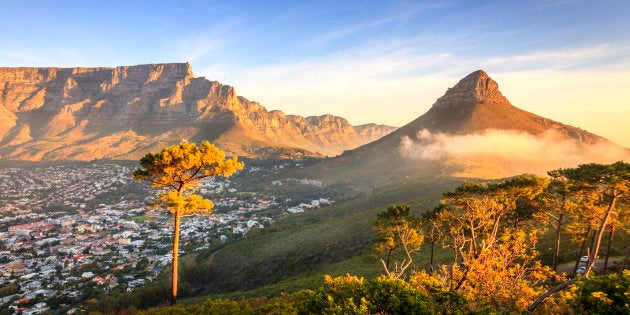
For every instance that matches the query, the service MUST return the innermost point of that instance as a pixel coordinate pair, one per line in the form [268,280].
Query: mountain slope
[123,112]
[471,131]
[475,104]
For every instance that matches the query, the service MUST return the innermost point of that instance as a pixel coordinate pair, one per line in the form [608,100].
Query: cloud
[57,57]
[21,56]
[514,151]
[560,58]
[201,44]
[357,86]
[399,59]
[406,13]
[550,4]
[396,81]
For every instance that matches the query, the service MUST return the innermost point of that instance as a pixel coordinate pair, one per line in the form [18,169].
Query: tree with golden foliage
[557,208]
[397,230]
[494,261]
[610,184]
[434,230]
[178,171]
[602,192]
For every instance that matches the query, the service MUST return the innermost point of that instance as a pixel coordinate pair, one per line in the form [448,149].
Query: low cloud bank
[512,149]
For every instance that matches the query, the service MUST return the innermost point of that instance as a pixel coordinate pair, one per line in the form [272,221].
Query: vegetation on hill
[420,294]
[488,236]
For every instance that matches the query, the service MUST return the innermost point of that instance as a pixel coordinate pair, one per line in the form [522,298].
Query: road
[599,264]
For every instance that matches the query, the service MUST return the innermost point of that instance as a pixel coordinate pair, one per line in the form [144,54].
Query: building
[24,229]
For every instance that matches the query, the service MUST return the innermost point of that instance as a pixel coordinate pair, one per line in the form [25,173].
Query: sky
[381,61]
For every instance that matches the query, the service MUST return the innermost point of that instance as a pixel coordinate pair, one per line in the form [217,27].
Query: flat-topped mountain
[124,112]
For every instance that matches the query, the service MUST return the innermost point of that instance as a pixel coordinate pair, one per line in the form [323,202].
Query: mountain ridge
[475,103]
[467,133]
[65,113]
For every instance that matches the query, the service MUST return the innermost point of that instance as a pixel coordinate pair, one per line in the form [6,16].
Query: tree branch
[541,298]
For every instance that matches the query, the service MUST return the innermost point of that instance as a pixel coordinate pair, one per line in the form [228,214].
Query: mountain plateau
[124,112]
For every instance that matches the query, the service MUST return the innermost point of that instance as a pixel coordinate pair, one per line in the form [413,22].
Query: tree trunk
[431,259]
[609,245]
[175,258]
[385,268]
[577,261]
[450,283]
[556,250]
[600,233]
[589,249]
[625,261]
[462,280]
[389,255]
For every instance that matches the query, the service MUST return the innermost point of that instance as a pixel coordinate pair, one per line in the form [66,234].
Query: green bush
[605,294]
[286,304]
[352,295]
[169,310]
[395,296]
[223,307]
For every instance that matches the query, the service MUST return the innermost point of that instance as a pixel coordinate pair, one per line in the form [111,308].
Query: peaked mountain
[475,104]
[474,131]
[124,112]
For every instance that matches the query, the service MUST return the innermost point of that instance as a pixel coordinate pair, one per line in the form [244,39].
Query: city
[72,232]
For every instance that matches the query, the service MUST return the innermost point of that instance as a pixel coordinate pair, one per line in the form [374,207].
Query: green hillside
[313,243]
[297,251]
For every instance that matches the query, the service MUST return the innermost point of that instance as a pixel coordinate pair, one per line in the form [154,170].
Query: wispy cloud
[404,14]
[338,83]
[561,58]
[59,57]
[21,56]
[551,4]
[200,44]
[394,82]
[373,60]
[400,60]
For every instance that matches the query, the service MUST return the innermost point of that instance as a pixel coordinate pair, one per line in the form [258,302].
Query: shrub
[605,294]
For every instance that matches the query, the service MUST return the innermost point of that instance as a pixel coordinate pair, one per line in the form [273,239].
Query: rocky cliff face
[124,112]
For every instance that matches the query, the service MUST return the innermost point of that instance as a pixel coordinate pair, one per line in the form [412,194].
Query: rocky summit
[476,104]
[474,131]
[124,112]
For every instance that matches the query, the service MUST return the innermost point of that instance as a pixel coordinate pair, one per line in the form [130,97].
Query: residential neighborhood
[68,232]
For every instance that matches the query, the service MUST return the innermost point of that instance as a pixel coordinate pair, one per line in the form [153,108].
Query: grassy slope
[299,249]
[296,251]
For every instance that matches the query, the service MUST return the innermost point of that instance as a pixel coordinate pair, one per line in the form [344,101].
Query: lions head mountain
[124,112]
[473,131]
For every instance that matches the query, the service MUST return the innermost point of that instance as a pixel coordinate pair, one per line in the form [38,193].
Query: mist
[513,152]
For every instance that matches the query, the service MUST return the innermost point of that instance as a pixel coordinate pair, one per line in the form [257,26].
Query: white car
[581,270]
[584,259]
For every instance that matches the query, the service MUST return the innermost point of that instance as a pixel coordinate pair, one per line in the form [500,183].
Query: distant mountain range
[124,112]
